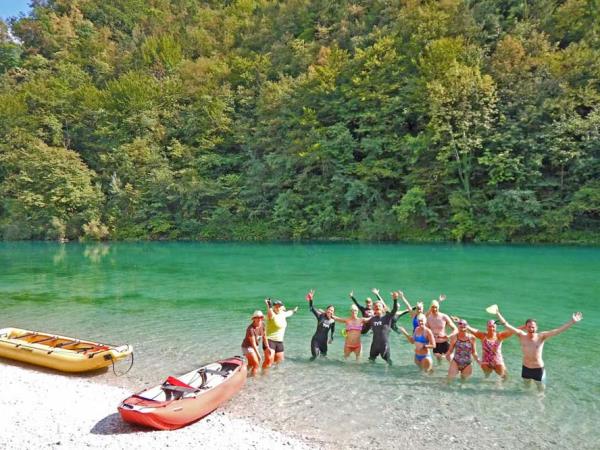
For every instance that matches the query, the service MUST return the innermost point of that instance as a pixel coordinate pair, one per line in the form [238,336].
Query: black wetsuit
[395,321]
[318,343]
[366,312]
[381,332]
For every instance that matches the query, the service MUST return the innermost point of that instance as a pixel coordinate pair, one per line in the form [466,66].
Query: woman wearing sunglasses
[254,333]
[461,352]
[491,348]
[424,340]
[354,325]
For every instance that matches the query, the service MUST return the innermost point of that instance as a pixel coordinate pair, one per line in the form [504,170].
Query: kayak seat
[66,343]
[176,382]
[223,373]
[175,388]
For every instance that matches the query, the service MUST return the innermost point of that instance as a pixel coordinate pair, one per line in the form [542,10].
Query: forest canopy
[472,120]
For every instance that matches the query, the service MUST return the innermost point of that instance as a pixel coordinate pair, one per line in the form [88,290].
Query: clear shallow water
[183,304]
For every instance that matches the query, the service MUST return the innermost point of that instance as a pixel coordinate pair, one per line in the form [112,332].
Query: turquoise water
[183,304]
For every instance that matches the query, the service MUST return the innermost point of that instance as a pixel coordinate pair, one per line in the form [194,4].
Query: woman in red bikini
[354,325]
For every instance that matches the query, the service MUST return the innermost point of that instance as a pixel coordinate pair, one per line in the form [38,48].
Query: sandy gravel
[43,409]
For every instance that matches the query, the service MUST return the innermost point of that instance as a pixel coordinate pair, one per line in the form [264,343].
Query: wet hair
[530,320]
[330,306]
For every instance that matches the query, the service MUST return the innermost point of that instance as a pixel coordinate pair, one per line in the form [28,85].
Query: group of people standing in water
[434,335]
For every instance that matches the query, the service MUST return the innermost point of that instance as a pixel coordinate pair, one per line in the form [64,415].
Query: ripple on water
[184,304]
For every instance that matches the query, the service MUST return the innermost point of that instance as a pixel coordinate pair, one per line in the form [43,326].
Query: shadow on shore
[113,424]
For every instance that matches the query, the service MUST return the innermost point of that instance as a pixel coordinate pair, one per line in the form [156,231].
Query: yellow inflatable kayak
[59,352]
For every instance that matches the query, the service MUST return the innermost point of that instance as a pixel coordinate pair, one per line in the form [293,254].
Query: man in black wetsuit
[394,325]
[325,324]
[381,323]
[367,310]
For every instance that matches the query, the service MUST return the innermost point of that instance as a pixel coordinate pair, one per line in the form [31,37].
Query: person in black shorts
[532,345]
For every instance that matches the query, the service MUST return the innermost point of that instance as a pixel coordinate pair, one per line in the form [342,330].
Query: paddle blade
[492,309]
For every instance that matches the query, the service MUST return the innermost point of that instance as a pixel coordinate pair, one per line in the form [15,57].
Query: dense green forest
[472,120]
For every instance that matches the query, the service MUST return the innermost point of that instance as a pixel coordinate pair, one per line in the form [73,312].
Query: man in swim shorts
[437,323]
[532,345]
[381,323]
[325,325]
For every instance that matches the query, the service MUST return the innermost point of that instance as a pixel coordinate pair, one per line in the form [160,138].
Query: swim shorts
[276,345]
[441,348]
[536,374]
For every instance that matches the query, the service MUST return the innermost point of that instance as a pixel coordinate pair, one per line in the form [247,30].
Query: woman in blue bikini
[424,340]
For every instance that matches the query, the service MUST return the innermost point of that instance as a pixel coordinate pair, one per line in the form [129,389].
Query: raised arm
[405,300]
[395,305]
[376,292]
[360,307]
[505,334]
[509,326]
[269,308]
[312,309]
[474,331]
[576,317]
[401,313]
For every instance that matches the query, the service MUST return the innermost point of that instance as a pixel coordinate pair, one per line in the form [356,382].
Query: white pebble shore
[47,410]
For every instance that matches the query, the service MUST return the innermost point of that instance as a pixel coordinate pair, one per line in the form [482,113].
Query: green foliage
[47,192]
[470,120]
[10,56]
[513,214]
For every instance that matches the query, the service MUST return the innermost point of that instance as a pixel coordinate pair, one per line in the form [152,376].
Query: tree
[47,192]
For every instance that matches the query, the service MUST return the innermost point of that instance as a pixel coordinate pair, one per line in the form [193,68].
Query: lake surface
[183,304]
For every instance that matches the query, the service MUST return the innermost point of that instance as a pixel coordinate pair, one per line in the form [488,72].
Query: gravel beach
[43,409]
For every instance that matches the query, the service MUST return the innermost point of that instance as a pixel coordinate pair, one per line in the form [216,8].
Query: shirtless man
[532,345]
[437,323]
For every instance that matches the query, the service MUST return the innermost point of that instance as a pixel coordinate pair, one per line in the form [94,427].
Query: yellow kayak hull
[62,353]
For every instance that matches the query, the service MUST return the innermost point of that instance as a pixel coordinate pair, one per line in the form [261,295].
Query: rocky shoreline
[49,410]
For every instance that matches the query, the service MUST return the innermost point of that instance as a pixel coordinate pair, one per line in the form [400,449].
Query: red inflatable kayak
[182,400]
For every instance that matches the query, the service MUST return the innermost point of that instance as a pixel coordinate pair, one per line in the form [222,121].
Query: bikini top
[420,338]
[353,327]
